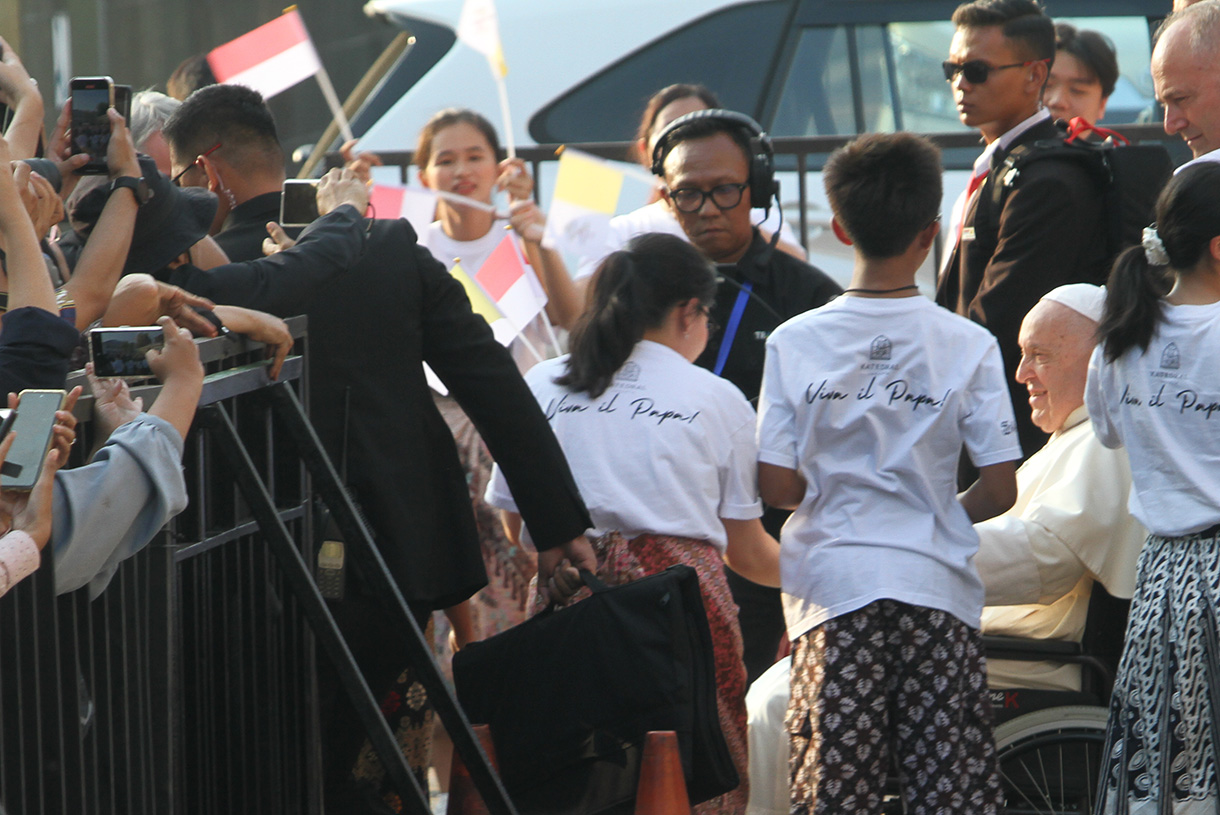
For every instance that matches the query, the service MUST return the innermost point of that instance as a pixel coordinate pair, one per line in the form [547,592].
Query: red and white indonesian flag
[413,203]
[512,286]
[270,59]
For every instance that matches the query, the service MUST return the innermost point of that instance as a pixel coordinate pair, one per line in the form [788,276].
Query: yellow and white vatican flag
[586,196]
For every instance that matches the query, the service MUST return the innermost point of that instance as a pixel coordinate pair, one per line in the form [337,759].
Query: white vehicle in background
[581,71]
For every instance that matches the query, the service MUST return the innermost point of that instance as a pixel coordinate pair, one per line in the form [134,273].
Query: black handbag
[570,694]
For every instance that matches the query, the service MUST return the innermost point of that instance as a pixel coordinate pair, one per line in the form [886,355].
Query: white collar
[1213,156]
[983,162]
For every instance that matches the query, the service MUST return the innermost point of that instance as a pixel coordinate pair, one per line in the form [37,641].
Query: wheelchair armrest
[1019,648]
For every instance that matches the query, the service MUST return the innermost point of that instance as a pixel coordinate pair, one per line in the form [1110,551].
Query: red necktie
[975,182]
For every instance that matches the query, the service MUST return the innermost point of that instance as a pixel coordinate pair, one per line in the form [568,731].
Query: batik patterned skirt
[1165,711]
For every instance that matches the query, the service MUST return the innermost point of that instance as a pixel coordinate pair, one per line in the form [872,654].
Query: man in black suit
[1049,229]
[370,332]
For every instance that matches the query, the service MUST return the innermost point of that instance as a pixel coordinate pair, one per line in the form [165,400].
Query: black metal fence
[188,684]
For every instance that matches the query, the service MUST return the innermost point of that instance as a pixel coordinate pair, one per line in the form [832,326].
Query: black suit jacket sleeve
[284,283]
[35,348]
[483,378]
[1042,226]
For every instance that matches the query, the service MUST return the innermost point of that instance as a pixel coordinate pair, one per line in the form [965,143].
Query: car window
[816,99]
[898,74]
[607,106]
[926,98]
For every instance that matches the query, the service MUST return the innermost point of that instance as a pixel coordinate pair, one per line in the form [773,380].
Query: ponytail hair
[1187,218]
[1133,303]
[633,291]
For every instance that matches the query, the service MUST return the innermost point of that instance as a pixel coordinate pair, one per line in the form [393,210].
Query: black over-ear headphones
[763,186]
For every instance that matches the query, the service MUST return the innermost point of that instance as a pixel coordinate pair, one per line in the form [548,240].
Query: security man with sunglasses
[717,164]
[1048,230]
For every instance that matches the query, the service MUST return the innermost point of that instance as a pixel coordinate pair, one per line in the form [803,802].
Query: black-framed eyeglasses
[691,199]
[976,71]
[194,163]
[712,325]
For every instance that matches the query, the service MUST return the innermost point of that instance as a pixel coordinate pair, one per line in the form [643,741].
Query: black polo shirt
[789,286]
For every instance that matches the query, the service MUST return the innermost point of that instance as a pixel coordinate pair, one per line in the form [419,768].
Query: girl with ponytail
[1154,387]
[663,451]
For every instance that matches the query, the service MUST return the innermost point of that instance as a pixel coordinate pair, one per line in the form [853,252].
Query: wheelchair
[1050,745]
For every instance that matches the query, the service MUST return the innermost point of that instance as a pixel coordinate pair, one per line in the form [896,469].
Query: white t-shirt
[472,255]
[658,217]
[668,449]
[1164,406]
[871,401]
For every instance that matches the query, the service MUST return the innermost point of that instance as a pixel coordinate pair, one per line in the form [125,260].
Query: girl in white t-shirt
[458,154]
[663,451]
[1154,387]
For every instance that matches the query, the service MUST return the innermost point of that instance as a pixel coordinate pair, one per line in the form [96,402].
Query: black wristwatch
[138,187]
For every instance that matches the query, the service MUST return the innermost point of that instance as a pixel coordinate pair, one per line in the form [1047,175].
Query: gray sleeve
[109,509]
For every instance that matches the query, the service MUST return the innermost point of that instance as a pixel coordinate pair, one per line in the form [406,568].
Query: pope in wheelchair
[1059,572]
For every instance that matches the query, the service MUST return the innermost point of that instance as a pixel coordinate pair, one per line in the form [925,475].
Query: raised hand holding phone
[92,99]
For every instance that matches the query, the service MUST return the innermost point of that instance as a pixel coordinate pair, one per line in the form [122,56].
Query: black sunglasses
[194,163]
[976,71]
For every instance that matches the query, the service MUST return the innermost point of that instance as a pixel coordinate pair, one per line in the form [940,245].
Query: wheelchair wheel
[1050,760]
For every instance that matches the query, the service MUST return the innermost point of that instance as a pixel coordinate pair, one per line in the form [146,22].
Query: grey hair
[150,110]
[1202,20]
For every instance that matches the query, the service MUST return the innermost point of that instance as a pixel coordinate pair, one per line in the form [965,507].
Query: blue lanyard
[730,330]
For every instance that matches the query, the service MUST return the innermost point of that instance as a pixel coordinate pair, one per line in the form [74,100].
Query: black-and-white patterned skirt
[1165,712]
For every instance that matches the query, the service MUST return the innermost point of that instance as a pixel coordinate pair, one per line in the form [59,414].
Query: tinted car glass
[730,51]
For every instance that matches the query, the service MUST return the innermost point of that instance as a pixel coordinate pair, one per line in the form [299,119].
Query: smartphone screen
[119,352]
[91,98]
[122,102]
[299,204]
[35,419]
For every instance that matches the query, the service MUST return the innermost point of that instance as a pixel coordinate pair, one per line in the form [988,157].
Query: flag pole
[510,144]
[332,100]
[550,330]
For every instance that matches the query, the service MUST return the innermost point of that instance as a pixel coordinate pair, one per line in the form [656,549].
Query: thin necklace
[883,291]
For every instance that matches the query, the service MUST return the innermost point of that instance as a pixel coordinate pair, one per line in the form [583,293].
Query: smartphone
[122,102]
[299,203]
[118,353]
[92,96]
[33,425]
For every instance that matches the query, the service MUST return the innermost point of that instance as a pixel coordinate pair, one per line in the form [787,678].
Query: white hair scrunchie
[1154,249]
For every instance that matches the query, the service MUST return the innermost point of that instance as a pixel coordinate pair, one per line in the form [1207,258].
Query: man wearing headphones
[717,164]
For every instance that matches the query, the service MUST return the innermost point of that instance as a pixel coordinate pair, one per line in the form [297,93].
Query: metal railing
[189,685]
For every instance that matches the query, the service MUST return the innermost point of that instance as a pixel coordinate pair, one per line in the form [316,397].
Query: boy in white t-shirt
[866,405]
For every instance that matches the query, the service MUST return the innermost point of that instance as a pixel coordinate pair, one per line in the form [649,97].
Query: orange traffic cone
[662,789]
[464,798]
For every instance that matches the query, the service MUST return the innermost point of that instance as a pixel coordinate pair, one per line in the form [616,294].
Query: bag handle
[1079,126]
[593,581]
